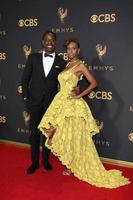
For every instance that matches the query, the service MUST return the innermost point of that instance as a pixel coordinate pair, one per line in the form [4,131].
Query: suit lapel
[52,70]
[41,65]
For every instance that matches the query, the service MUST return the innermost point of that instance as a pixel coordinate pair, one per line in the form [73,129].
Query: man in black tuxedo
[39,85]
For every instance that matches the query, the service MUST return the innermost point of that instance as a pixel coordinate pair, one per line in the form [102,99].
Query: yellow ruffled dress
[72,141]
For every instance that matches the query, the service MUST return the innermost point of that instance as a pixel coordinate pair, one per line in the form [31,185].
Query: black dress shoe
[32,169]
[47,165]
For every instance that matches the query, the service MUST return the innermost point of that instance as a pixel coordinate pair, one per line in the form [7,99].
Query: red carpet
[15,184]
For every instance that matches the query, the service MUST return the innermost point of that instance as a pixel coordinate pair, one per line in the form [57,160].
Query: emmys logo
[27,22]
[2,33]
[27,51]
[130,137]
[26,117]
[103,143]
[101,51]
[2,119]
[62,13]
[2,56]
[63,30]
[131,108]
[99,124]
[20,91]
[2,97]
[21,66]
[100,95]
[103,18]
[101,68]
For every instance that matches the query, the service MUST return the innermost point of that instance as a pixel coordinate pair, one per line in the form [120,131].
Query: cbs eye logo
[27,22]
[2,119]
[103,18]
[2,56]
[130,137]
[100,95]
[63,55]
[20,91]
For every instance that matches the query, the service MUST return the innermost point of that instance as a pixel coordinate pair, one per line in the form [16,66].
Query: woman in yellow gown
[69,126]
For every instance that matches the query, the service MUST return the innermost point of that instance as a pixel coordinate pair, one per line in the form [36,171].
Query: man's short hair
[47,32]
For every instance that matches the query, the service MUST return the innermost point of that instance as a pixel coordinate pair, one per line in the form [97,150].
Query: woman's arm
[82,69]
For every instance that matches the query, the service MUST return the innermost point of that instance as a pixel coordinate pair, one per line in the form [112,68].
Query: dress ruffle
[65,108]
[72,141]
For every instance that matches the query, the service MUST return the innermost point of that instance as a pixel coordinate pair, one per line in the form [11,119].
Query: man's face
[49,43]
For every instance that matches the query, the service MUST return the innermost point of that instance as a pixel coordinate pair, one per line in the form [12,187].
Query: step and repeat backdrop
[105,31]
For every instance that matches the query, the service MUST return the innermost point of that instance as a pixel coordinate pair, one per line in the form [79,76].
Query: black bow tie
[48,55]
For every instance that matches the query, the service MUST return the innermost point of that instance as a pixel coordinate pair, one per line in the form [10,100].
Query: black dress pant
[36,114]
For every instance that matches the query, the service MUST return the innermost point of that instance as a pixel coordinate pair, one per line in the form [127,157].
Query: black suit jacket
[38,88]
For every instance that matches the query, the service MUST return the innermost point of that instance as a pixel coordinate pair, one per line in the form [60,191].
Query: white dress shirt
[47,62]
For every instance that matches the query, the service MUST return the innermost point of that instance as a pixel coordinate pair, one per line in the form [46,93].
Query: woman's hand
[74,96]
[75,91]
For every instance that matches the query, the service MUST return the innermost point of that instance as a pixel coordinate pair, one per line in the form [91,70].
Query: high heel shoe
[66,172]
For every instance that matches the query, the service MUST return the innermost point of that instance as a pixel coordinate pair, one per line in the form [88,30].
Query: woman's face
[72,50]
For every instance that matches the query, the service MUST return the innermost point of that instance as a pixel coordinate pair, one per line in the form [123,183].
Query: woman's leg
[50,132]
